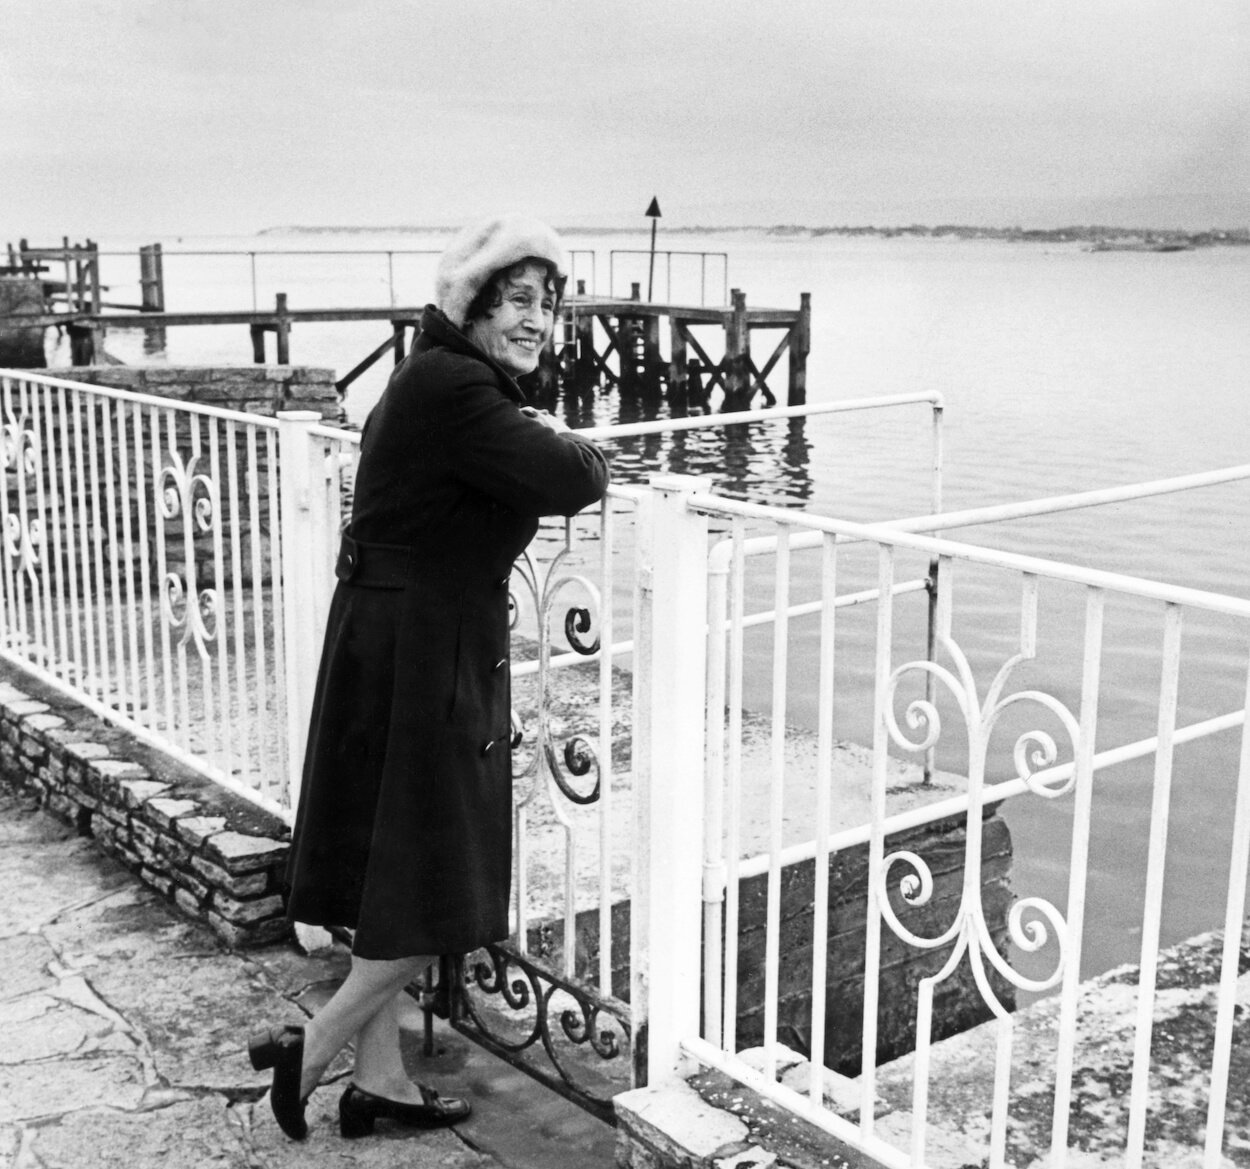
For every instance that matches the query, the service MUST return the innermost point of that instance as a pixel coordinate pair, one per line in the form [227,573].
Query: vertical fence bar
[824,793]
[733,781]
[297,456]
[1160,806]
[1230,958]
[164,582]
[73,516]
[89,682]
[607,549]
[149,670]
[714,798]
[111,510]
[876,842]
[135,671]
[668,783]
[228,742]
[1083,792]
[776,797]
[278,609]
[56,565]
[249,727]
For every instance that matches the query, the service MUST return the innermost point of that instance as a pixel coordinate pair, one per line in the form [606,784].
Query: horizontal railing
[642,261]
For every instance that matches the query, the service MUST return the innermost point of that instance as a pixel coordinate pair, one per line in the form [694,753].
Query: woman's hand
[550,421]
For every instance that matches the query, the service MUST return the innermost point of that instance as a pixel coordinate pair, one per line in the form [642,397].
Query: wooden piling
[283,331]
[737,355]
[651,347]
[677,372]
[800,347]
[152,293]
[258,344]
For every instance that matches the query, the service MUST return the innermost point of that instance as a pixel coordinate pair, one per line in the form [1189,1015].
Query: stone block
[23,707]
[197,830]
[311,392]
[241,885]
[165,812]
[187,902]
[116,769]
[239,853]
[43,726]
[111,813]
[159,880]
[248,912]
[88,750]
[675,1126]
[178,375]
[175,853]
[186,879]
[136,792]
[61,805]
[271,930]
[144,837]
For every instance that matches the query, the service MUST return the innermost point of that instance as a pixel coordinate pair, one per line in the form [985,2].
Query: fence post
[669,701]
[297,456]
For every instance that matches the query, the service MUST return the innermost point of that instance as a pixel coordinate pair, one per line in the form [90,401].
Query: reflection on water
[763,462]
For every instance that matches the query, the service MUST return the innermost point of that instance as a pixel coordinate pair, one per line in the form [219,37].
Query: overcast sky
[202,116]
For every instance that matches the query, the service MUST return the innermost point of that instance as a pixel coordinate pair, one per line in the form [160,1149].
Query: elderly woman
[403,831]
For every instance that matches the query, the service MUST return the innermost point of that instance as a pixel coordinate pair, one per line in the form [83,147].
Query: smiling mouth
[526,343]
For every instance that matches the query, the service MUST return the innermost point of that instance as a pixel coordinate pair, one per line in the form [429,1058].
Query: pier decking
[604,341]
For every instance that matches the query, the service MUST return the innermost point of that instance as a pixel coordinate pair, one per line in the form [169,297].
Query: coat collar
[437,330]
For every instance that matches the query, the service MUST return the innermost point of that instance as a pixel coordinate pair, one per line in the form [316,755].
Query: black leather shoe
[359,1109]
[282,1048]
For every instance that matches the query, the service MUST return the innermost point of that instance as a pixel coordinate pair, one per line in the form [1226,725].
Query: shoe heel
[262,1050]
[354,1122]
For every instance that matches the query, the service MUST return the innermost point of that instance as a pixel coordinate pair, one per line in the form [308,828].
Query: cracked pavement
[125,1026]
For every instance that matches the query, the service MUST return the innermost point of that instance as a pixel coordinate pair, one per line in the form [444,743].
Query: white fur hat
[478,252]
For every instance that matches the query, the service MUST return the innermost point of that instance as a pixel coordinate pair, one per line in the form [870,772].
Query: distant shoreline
[1098,236]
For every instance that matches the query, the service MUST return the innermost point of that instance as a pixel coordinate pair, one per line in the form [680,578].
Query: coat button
[499,665]
[502,582]
[350,559]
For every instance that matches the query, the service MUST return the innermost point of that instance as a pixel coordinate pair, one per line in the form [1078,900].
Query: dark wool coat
[404,824]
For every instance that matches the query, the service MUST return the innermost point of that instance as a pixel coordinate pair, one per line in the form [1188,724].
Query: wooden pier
[604,342]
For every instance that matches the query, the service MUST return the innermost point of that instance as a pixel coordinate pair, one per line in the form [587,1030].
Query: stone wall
[256,389]
[217,856]
[21,348]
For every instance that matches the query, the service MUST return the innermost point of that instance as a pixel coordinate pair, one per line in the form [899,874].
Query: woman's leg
[379,1065]
[369,988]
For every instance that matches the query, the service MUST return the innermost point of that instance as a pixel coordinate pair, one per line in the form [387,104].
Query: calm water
[1062,370]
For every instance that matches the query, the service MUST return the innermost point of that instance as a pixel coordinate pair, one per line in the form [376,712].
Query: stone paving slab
[125,1027]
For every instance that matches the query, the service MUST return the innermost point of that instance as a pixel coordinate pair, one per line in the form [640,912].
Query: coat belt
[378,566]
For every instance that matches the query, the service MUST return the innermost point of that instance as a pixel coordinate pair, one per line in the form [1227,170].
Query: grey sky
[190,116]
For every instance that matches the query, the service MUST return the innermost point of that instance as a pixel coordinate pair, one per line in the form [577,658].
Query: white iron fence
[171,565]
[1021,705]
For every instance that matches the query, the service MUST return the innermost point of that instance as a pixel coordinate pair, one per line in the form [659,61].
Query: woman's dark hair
[491,295]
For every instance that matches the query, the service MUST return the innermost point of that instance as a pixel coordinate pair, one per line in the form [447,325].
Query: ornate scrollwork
[589,1023]
[183,493]
[23,533]
[576,758]
[1032,922]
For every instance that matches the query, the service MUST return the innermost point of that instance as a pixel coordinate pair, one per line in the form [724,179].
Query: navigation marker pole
[653,213]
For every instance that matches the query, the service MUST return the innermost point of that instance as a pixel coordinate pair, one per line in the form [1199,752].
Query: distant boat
[1141,245]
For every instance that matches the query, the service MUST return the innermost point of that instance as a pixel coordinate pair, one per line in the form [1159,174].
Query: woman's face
[516,330]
